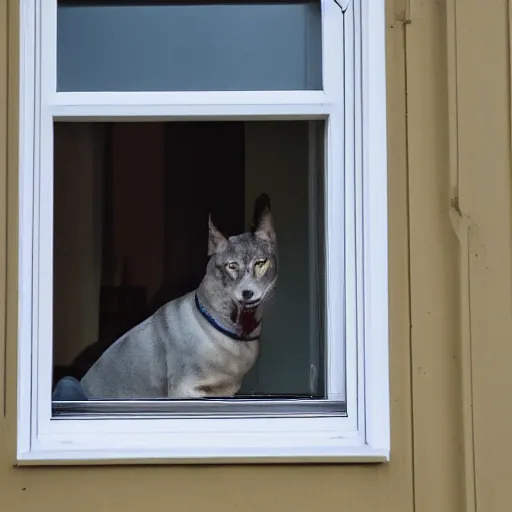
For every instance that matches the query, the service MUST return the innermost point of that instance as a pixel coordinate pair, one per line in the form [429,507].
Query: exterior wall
[450,198]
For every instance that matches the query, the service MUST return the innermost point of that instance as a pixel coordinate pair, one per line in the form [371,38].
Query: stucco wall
[450,298]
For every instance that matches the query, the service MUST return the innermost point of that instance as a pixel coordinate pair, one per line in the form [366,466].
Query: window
[138,122]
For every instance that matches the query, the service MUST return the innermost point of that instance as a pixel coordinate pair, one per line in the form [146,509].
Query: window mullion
[139,106]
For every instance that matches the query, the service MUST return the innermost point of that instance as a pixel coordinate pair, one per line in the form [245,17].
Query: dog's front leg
[190,392]
[204,389]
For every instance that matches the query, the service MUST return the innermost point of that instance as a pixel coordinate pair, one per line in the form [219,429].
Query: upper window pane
[170,46]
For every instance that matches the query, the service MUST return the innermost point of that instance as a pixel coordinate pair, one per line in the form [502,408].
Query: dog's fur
[177,352]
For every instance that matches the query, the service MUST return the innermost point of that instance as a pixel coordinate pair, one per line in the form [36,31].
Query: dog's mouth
[251,304]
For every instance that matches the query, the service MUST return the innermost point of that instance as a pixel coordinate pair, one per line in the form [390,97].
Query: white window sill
[263,440]
[275,455]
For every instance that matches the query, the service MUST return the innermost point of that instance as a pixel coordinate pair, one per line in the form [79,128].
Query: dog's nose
[247,294]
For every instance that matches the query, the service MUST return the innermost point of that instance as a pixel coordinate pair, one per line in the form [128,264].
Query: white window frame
[353,103]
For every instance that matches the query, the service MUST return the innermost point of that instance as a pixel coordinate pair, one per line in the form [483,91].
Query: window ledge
[274,455]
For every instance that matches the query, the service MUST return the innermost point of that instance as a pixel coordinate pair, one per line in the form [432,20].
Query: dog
[202,344]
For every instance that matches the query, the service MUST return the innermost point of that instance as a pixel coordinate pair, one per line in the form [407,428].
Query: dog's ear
[262,224]
[217,242]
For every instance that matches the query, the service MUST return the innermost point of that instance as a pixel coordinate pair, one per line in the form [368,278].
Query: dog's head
[243,268]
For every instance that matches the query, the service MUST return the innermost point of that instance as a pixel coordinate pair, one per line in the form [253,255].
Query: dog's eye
[232,266]
[260,267]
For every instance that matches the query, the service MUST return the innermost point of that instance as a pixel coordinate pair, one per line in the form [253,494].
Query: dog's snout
[247,294]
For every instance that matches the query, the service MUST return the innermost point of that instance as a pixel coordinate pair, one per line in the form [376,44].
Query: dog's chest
[203,361]
[222,368]
[229,357]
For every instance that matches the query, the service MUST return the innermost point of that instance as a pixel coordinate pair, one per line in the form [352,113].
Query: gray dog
[204,343]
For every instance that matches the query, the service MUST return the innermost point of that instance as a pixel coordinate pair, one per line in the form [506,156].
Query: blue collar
[219,327]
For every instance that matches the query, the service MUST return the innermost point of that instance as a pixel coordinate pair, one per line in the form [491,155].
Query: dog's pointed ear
[263,224]
[217,242]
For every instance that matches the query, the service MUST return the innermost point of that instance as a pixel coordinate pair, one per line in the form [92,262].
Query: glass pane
[165,46]
[127,243]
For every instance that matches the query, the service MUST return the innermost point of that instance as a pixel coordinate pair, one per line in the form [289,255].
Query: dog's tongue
[246,320]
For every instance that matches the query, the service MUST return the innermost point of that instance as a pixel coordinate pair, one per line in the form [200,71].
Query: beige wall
[450,259]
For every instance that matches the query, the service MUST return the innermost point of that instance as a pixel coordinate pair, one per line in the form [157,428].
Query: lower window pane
[131,234]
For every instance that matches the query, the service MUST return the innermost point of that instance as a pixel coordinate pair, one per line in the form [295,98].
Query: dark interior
[203,163]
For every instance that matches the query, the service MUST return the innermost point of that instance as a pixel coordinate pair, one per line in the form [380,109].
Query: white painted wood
[42,365]
[187,98]
[26,420]
[353,30]
[352,211]
[353,105]
[375,263]
[190,112]
[160,106]
[336,374]
[213,455]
